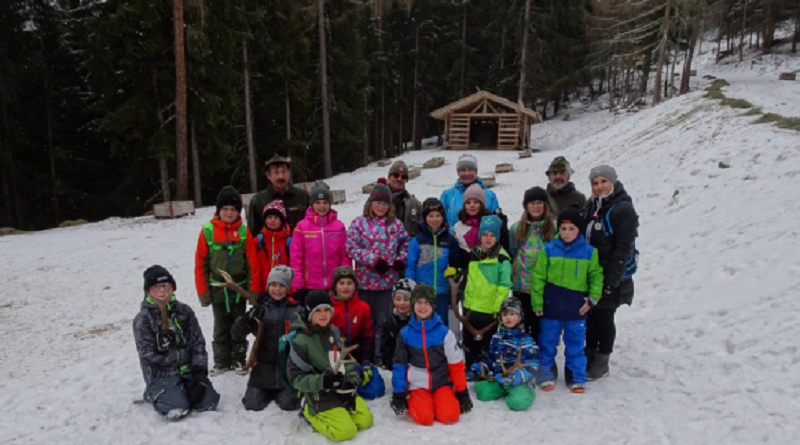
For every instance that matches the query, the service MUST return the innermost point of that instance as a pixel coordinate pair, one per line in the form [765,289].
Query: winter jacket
[354,320]
[371,239]
[453,200]
[504,348]
[565,274]
[229,253]
[614,249]
[427,356]
[189,350]
[317,248]
[525,253]
[277,321]
[408,210]
[429,255]
[488,280]
[462,228]
[314,352]
[390,330]
[559,200]
[272,251]
[295,200]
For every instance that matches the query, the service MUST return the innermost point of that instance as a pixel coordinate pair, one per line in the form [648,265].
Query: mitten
[513,379]
[399,403]
[464,401]
[381,266]
[332,381]
[399,266]
[164,340]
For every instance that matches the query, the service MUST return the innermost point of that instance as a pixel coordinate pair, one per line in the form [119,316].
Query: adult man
[407,207]
[452,198]
[295,200]
[561,192]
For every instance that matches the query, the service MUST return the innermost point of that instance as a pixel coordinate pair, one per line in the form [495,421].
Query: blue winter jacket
[429,256]
[453,200]
[506,346]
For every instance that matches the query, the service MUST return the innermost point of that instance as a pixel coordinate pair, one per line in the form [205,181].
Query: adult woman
[612,230]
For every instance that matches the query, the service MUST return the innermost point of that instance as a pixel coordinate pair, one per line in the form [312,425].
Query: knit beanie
[380,193]
[491,224]
[399,167]
[316,300]
[512,304]
[156,275]
[467,161]
[404,286]
[320,191]
[343,272]
[572,214]
[228,196]
[423,292]
[605,171]
[534,194]
[432,205]
[275,208]
[281,274]
[559,164]
[475,191]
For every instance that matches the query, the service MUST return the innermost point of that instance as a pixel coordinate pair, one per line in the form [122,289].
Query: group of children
[322,327]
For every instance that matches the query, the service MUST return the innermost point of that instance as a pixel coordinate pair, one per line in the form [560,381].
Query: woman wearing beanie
[535,228]
[318,244]
[378,243]
[612,230]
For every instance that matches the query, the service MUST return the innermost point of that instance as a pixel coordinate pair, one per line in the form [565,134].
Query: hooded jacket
[453,200]
[488,280]
[506,346]
[390,330]
[429,255]
[317,248]
[371,239]
[354,320]
[272,251]
[525,253]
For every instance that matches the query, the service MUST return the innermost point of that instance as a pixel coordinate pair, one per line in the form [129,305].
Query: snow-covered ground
[707,354]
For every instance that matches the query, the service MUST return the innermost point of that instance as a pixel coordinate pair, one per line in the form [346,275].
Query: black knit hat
[423,292]
[572,214]
[229,196]
[431,205]
[512,304]
[534,194]
[156,275]
[315,300]
[343,272]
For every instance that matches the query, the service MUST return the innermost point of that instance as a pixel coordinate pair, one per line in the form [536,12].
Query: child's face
[535,210]
[488,240]
[321,207]
[160,292]
[434,220]
[422,309]
[228,214]
[321,317]
[273,223]
[568,232]
[345,289]
[402,303]
[510,318]
[277,291]
[380,209]
[472,207]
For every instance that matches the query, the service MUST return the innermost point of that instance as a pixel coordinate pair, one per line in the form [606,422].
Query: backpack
[632,264]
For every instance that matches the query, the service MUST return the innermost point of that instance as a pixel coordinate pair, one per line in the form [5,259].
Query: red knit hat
[275,208]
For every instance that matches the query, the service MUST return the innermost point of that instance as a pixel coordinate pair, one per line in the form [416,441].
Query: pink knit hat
[475,192]
[275,208]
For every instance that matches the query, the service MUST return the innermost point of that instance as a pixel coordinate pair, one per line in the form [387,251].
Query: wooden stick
[464,319]
[230,284]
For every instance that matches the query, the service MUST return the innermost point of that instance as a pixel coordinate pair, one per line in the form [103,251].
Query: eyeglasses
[163,287]
[399,176]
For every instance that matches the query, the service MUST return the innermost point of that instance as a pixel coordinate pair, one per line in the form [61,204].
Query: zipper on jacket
[425,352]
[435,261]
[324,256]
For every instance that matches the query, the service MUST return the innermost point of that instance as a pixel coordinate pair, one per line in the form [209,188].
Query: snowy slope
[708,352]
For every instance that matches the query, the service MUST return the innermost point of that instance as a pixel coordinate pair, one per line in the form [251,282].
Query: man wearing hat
[278,171]
[406,206]
[453,198]
[561,192]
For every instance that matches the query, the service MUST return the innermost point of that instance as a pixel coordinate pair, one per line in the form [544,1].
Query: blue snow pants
[574,339]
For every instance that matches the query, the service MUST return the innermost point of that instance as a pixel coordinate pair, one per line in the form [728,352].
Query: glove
[300,295]
[257,313]
[381,266]
[481,368]
[399,266]
[196,387]
[367,371]
[399,403]
[607,290]
[332,381]
[164,340]
[205,299]
[513,379]
[464,400]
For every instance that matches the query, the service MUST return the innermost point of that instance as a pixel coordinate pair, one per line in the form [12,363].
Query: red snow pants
[442,405]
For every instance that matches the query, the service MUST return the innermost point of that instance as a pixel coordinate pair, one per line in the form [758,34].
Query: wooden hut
[486,121]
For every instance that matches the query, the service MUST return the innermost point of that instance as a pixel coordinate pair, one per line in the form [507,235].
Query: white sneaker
[215,371]
[239,368]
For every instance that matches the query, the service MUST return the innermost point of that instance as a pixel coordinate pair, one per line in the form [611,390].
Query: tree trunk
[671,80]
[503,47]
[648,60]
[524,58]
[198,192]
[769,28]
[661,50]
[796,35]
[414,126]
[323,88]
[180,103]
[288,112]
[6,158]
[463,49]
[248,122]
[383,116]
[741,40]
[366,130]
[162,157]
[51,150]
[687,66]
[602,82]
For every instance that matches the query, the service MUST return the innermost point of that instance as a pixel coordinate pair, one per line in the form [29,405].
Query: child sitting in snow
[276,312]
[332,406]
[509,367]
[401,314]
[567,283]
[172,350]
[354,320]
[272,240]
[428,375]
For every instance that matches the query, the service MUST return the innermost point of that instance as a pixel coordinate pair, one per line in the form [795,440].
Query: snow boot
[239,368]
[218,370]
[577,388]
[598,368]
[547,385]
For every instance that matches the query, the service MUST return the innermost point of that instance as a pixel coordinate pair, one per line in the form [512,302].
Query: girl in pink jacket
[318,244]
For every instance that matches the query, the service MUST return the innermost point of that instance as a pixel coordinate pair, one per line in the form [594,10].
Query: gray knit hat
[281,274]
[467,161]
[512,304]
[605,171]
[320,191]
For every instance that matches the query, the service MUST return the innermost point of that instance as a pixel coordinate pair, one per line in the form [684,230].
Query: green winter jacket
[313,353]
[488,280]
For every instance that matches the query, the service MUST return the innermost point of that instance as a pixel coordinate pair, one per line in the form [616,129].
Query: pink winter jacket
[371,239]
[317,248]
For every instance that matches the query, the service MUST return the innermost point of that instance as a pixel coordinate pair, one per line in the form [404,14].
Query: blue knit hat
[491,224]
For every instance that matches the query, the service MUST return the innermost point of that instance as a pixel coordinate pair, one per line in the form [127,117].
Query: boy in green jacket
[332,406]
